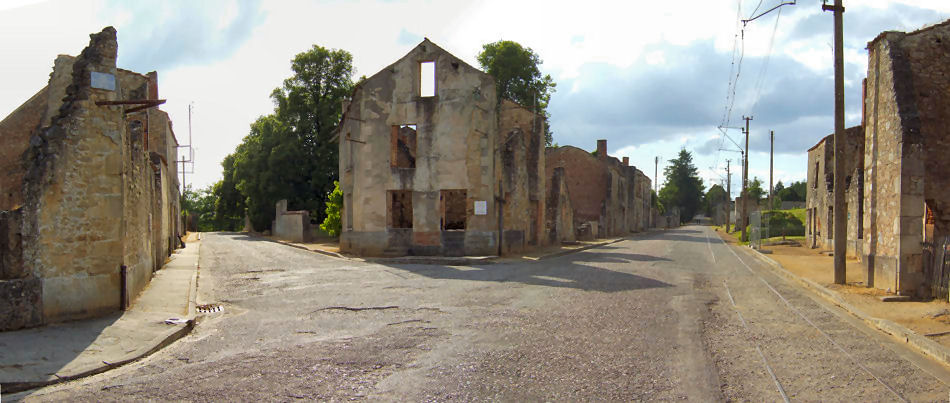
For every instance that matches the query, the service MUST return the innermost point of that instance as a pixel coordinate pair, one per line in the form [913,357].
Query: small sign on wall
[102,81]
[481,207]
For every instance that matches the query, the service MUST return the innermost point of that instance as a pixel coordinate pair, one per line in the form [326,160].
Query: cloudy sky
[651,77]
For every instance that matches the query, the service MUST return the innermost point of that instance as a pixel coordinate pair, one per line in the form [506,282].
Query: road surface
[665,315]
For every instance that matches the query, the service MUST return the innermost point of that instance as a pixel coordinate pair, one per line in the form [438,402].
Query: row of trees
[288,154]
[684,189]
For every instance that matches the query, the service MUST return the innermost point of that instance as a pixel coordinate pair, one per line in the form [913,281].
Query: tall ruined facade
[907,140]
[432,163]
[89,205]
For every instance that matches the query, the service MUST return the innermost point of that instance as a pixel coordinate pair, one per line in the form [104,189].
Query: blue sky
[648,76]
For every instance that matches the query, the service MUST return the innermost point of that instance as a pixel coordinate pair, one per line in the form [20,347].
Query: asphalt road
[662,316]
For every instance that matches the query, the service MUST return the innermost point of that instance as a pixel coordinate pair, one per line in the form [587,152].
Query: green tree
[229,203]
[332,225]
[683,188]
[755,191]
[794,192]
[288,154]
[714,197]
[200,204]
[518,77]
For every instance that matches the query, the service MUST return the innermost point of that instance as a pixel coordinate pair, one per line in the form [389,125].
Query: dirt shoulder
[928,318]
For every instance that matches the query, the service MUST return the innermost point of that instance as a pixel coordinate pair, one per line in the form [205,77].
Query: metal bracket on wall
[142,104]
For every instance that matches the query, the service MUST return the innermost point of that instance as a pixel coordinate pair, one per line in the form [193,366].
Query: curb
[15,387]
[929,347]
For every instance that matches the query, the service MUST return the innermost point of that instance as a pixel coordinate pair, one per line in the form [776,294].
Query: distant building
[819,199]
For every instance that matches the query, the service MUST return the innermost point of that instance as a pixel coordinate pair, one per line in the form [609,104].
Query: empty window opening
[404,146]
[400,209]
[427,82]
[453,209]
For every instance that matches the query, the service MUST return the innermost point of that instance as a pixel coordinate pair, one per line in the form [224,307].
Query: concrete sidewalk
[60,352]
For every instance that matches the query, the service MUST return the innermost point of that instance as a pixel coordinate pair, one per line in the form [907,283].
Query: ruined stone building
[906,144]
[819,199]
[608,196]
[432,163]
[88,191]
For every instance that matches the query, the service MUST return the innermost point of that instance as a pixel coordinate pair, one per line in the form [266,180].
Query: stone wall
[15,131]
[89,190]
[521,168]
[293,226]
[559,214]
[456,133]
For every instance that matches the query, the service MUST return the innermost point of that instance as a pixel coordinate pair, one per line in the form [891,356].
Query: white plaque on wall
[103,81]
[481,207]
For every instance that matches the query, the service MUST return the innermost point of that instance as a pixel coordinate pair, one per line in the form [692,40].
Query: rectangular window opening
[403,146]
[400,209]
[453,209]
[427,79]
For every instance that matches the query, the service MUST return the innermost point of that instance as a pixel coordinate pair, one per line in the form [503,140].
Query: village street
[655,317]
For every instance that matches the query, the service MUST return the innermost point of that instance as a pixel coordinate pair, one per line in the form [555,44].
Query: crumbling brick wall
[586,178]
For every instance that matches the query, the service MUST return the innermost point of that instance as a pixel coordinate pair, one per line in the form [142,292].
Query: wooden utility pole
[771,165]
[839,230]
[744,220]
[729,208]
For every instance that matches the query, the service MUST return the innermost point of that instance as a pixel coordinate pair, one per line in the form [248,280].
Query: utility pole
[839,230]
[771,162]
[744,220]
[729,208]
[656,170]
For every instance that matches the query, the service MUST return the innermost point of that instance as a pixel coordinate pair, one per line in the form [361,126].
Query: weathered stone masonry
[907,141]
[88,193]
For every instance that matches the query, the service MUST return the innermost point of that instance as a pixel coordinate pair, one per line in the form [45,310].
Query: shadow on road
[566,272]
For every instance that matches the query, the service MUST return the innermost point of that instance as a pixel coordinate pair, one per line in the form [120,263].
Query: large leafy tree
[683,188]
[288,154]
[518,77]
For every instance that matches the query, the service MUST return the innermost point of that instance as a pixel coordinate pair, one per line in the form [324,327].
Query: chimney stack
[602,149]
[153,85]
[626,161]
